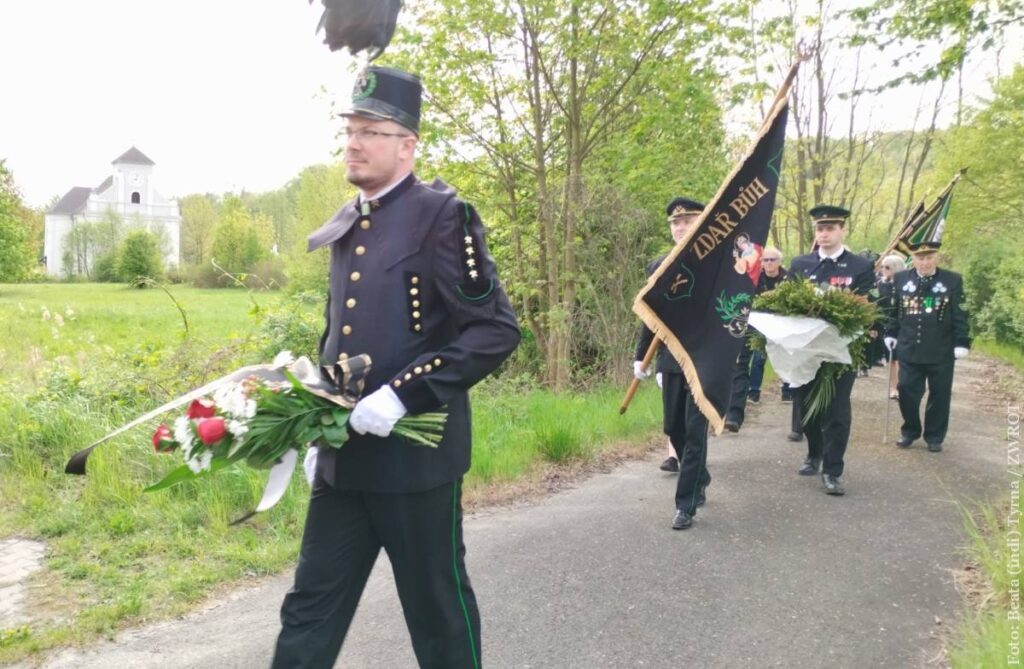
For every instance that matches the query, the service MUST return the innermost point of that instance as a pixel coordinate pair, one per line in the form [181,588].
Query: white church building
[129,193]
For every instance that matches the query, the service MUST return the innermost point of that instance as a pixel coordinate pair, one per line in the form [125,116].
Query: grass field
[117,556]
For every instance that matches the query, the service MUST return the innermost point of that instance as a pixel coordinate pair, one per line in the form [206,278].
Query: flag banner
[698,300]
[926,225]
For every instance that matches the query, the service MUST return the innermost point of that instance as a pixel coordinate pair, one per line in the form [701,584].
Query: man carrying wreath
[831,266]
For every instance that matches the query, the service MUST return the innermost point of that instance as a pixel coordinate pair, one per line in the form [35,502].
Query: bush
[105,268]
[266,275]
[139,257]
[293,325]
[1002,317]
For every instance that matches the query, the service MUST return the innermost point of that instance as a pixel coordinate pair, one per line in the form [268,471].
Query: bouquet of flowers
[812,334]
[258,421]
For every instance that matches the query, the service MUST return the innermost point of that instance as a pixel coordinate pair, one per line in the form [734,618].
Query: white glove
[309,464]
[638,370]
[959,352]
[377,413]
[890,343]
[657,377]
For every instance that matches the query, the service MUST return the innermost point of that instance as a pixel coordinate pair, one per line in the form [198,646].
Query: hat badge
[365,85]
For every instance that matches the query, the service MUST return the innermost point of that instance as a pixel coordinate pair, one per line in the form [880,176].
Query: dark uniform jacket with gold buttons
[849,271]
[413,286]
[928,318]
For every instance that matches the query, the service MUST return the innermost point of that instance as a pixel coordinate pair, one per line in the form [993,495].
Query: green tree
[529,102]
[198,220]
[236,240]
[318,193]
[139,256]
[16,254]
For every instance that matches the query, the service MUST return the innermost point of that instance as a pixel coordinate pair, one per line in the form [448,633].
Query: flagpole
[636,382]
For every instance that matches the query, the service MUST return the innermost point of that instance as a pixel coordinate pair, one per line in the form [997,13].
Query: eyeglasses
[771,259]
[367,135]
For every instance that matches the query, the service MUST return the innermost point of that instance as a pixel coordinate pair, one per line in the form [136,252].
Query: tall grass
[993,627]
[1007,352]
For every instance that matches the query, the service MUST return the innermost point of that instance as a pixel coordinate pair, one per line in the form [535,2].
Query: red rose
[201,409]
[162,440]
[211,430]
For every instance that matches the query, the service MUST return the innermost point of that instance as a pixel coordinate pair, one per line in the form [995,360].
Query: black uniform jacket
[413,286]
[928,319]
[666,363]
[849,271]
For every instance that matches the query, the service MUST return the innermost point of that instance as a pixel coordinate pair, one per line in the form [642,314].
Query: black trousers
[829,430]
[422,534]
[740,385]
[936,412]
[687,429]
[796,416]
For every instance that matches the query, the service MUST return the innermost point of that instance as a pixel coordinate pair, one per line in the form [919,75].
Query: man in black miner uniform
[831,266]
[685,425]
[928,329]
[413,286]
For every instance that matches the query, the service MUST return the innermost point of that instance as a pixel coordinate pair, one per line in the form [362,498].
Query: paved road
[773,574]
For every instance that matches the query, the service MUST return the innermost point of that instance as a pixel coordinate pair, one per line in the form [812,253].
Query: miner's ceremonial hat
[827,213]
[922,248]
[387,94]
[681,206]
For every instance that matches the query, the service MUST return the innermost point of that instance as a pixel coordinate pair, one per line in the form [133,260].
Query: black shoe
[795,436]
[935,447]
[811,467]
[682,520]
[732,426]
[754,396]
[671,464]
[832,485]
[904,442]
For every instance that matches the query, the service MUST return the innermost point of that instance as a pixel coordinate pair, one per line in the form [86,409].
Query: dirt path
[773,574]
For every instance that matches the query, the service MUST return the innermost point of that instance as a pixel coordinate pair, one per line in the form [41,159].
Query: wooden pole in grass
[636,382]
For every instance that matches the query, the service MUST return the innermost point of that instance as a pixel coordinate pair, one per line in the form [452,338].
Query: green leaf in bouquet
[340,416]
[176,476]
[335,435]
[312,433]
[326,419]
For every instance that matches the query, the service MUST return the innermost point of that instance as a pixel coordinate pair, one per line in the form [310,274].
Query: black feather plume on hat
[360,25]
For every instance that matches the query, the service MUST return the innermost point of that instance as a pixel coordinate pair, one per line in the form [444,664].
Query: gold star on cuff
[473,274]
[470,262]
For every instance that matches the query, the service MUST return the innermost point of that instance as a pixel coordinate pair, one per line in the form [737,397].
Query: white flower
[233,401]
[183,434]
[939,287]
[46,314]
[909,287]
[201,463]
[283,359]
[70,313]
[59,320]
[237,427]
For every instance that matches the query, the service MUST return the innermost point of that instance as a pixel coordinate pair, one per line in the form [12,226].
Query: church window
[136,198]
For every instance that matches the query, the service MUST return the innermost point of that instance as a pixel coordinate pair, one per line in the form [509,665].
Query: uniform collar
[389,194]
[834,256]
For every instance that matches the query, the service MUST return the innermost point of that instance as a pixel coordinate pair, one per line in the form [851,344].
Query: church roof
[73,202]
[105,185]
[133,156]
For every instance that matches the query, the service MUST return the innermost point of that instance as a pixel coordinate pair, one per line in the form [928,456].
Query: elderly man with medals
[413,286]
[928,331]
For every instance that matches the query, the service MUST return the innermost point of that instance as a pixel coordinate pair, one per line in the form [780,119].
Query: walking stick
[636,382]
[888,400]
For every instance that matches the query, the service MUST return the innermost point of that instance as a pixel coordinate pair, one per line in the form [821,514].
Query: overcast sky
[223,95]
